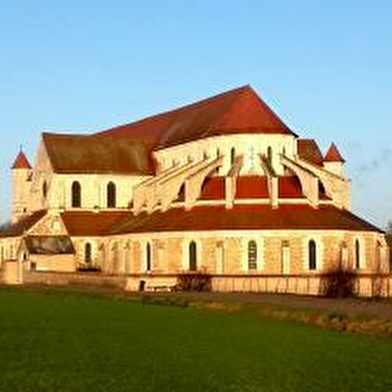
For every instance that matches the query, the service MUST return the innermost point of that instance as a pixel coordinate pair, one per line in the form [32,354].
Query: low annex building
[221,185]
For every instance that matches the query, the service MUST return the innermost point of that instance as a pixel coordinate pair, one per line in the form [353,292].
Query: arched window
[357,254]
[232,156]
[192,256]
[45,189]
[269,155]
[343,256]
[76,194]
[378,256]
[87,253]
[148,257]
[250,156]
[252,255]
[111,195]
[312,255]
[285,257]
[321,188]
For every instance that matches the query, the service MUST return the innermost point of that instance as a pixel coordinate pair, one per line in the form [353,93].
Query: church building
[221,186]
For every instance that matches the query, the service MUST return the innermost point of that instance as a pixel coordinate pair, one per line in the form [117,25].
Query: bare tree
[4,226]
[388,237]
[388,232]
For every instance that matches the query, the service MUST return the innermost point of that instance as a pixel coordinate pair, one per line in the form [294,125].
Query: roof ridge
[177,109]
[240,91]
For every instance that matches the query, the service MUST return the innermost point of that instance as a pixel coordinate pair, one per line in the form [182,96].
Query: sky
[325,67]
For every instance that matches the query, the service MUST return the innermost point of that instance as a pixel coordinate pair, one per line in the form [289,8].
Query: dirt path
[380,308]
[354,306]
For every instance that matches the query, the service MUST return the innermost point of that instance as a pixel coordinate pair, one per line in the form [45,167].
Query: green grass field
[56,341]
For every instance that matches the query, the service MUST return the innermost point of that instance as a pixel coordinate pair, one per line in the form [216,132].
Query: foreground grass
[79,342]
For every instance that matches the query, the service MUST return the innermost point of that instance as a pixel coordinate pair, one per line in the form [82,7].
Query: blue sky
[324,66]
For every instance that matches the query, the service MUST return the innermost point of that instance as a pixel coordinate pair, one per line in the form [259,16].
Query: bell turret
[333,160]
[21,173]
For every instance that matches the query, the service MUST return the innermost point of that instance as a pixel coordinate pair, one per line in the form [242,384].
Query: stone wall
[77,278]
[220,252]
[58,263]
[367,285]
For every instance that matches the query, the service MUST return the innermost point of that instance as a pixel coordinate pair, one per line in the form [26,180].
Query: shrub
[338,282]
[377,286]
[194,281]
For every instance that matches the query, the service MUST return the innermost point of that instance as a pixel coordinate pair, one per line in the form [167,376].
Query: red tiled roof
[290,188]
[86,223]
[213,189]
[309,151]
[235,111]
[333,154]
[252,187]
[92,154]
[23,225]
[21,162]
[244,217]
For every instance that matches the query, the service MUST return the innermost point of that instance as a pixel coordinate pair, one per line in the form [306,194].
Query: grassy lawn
[56,341]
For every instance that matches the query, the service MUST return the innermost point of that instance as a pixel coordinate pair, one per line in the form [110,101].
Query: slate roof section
[49,245]
[333,155]
[236,111]
[90,223]
[92,154]
[243,217]
[23,225]
[21,161]
[309,151]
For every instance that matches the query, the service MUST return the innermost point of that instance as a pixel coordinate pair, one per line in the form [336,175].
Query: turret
[333,161]
[21,173]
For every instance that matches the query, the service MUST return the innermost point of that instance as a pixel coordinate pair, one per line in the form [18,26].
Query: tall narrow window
[232,156]
[111,195]
[312,255]
[87,253]
[76,194]
[220,257]
[285,257]
[379,256]
[269,155]
[45,189]
[357,254]
[192,256]
[343,255]
[148,257]
[252,255]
